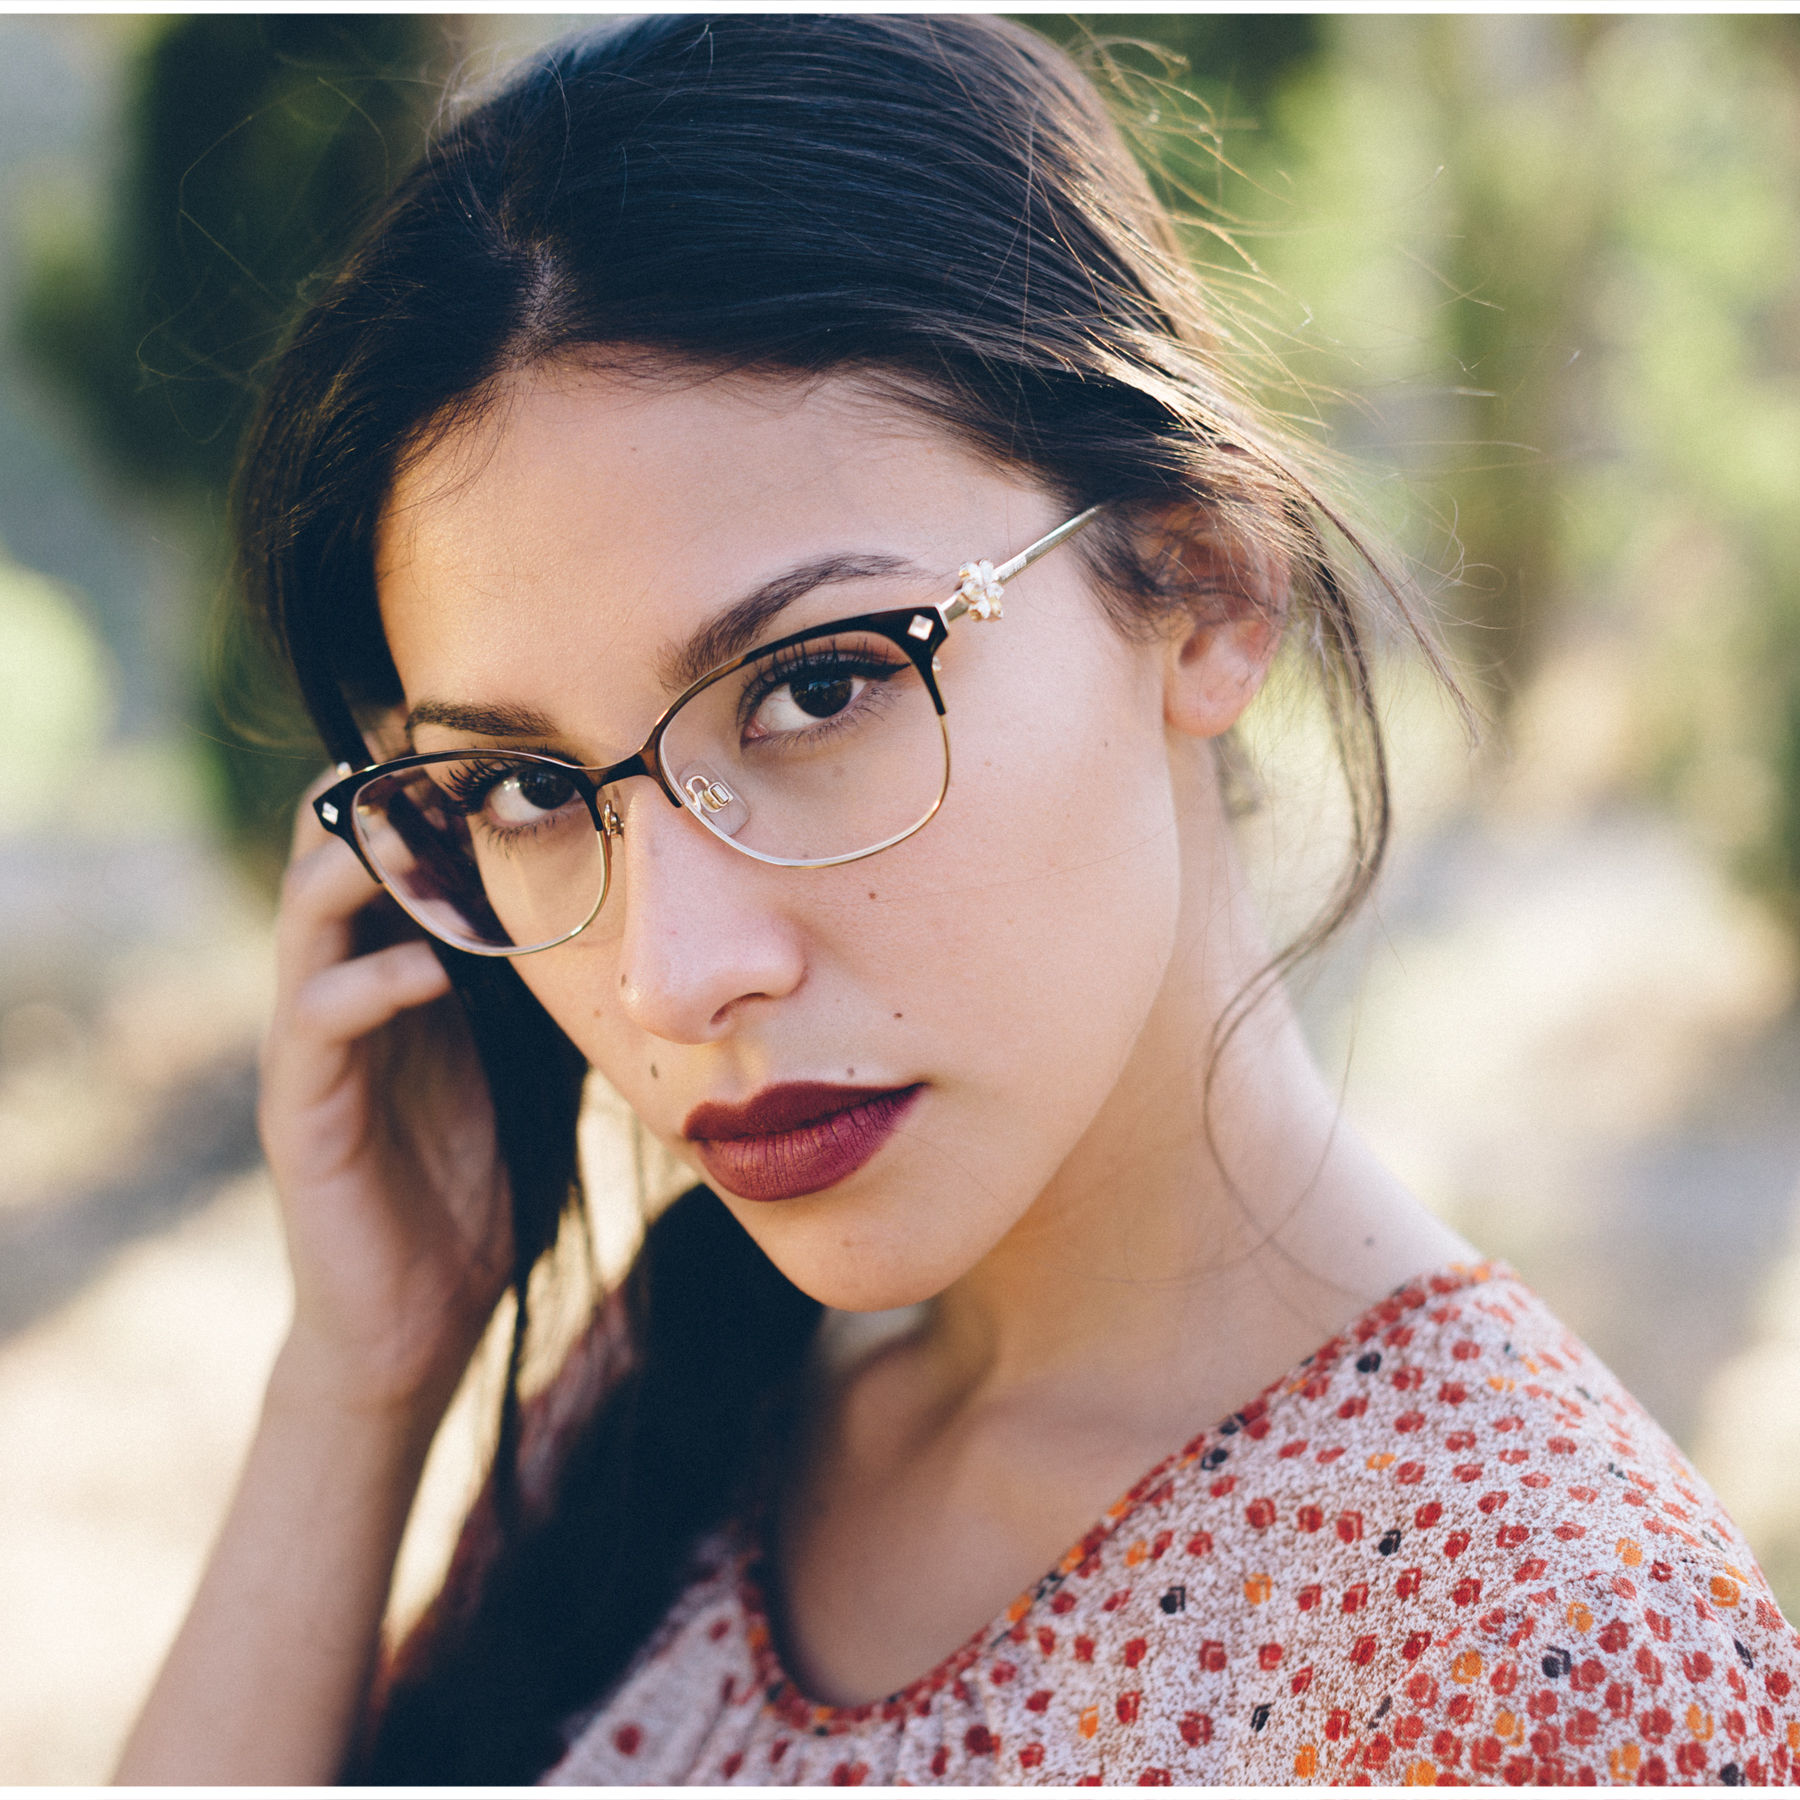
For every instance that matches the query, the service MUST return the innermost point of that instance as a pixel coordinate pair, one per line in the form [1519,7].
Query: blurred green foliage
[255,143]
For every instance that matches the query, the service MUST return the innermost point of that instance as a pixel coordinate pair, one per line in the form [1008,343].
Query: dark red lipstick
[797,1138]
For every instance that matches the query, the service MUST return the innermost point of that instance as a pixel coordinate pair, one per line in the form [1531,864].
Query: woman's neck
[1212,1228]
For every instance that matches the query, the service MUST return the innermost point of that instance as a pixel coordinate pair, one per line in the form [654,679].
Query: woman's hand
[378,1127]
[379,1131]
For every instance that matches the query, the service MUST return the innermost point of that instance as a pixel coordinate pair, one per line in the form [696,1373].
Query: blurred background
[1536,280]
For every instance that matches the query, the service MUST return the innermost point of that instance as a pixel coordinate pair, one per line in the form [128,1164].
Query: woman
[722,425]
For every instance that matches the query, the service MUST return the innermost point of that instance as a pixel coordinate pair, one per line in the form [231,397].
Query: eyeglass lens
[822,751]
[487,851]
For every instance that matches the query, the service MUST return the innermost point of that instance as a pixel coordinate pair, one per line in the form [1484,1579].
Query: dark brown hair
[940,207]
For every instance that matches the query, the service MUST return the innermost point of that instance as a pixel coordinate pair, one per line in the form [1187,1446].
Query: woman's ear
[1231,594]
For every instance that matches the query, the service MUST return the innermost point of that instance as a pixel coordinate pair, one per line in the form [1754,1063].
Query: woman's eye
[525,797]
[806,698]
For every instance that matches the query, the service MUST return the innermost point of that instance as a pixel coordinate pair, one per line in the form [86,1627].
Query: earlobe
[1215,667]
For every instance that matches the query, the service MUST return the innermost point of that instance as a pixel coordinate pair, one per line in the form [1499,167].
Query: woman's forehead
[661,500]
[641,451]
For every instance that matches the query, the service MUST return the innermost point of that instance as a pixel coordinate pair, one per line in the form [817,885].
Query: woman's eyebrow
[741,624]
[488,721]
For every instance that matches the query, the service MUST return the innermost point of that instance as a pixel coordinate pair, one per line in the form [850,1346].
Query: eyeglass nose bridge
[702,794]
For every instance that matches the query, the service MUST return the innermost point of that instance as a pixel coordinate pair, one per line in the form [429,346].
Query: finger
[350,999]
[321,894]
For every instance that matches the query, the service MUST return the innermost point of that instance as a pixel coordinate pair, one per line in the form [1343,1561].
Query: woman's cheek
[571,983]
[1045,973]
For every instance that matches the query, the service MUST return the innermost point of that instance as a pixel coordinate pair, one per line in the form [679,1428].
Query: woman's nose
[701,929]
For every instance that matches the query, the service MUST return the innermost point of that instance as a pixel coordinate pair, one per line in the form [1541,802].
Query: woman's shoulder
[1449,1538]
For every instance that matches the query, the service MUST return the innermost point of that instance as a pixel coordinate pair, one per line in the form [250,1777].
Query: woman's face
[980,987]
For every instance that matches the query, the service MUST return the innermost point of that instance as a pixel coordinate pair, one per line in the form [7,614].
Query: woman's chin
[871,1252]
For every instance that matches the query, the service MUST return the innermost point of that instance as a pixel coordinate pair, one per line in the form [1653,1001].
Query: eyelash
[469,785]
[800,660]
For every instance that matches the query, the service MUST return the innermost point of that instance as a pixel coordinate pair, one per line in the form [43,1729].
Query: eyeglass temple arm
[979,585]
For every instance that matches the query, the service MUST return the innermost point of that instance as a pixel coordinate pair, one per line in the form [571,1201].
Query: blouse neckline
[802,1711]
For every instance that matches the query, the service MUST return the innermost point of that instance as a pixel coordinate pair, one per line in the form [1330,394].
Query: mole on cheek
[897,1015]
[653,1074]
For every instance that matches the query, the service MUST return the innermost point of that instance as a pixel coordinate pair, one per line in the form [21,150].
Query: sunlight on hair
[628,1178]
[628,1175]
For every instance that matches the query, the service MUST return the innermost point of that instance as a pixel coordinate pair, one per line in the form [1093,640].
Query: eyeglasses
[820,748]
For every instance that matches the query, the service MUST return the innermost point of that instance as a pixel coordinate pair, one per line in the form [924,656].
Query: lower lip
[784,1165]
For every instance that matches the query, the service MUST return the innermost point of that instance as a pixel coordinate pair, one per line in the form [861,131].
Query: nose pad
[713,801]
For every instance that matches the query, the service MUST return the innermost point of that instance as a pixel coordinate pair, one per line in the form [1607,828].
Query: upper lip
[788,1107]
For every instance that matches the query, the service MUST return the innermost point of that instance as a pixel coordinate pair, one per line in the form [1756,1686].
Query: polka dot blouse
[1447,1547]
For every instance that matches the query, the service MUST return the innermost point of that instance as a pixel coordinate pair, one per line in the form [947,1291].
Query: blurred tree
[255,144]
[1516,274]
